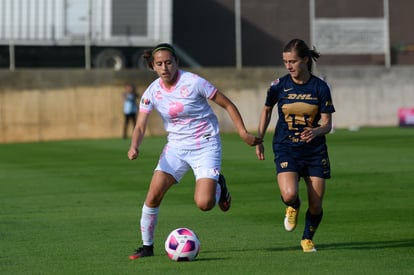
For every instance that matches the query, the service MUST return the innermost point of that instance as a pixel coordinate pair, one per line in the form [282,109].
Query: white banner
[349,35]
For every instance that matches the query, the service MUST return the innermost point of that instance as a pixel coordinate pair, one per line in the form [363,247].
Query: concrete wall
[76,104]
[370,96]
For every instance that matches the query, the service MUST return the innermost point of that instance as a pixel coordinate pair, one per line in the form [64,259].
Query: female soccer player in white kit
[181,99]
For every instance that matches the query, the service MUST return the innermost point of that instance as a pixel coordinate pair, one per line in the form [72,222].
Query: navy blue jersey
[299,106]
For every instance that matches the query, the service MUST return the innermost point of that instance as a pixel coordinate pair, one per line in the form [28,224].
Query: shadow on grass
[369,245]
[211,259]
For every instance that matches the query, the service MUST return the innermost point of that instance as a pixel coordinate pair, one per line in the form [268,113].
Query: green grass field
[73,207]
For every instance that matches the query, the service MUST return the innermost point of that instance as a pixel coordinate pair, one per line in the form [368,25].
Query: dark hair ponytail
[148,54]
[303,51]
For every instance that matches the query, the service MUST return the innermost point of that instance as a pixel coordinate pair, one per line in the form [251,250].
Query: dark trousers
[129,117]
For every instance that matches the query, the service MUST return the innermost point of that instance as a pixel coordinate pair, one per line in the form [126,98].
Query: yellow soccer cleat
[291,218]
[307,245]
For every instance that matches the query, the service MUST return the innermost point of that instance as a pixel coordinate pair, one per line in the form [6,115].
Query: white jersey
[184,109]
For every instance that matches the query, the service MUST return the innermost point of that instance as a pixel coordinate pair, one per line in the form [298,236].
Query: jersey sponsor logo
[301,97]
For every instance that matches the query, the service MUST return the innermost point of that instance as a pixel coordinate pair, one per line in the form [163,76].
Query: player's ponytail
[313,57]
[302,51]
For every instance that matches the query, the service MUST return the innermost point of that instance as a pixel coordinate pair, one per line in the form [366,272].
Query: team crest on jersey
[145,101]
[284,164]
[184,91]
[158,95]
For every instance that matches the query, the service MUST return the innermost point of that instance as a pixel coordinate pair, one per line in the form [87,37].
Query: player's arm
[223,101]
[264,121]
[138,135]
[308,134]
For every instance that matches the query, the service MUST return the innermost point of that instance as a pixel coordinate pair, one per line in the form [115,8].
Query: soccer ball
[182,244]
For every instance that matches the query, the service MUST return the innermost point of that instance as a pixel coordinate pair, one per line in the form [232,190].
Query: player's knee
[289,198]
[153,200]
[205,205]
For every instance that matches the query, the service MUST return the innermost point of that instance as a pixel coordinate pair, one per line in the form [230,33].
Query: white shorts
[205,162]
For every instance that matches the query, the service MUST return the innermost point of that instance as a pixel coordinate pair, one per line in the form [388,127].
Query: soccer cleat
[291,218]
[307,245]
[225,198]
[145,251]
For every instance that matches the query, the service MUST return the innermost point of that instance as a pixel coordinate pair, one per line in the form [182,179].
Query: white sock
[218,193]
[149,218]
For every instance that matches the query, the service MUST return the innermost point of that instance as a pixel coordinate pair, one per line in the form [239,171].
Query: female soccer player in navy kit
[305,110]
[181,99]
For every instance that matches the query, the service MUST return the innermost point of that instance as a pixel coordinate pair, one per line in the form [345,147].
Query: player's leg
[134,120]
[316,191]
[287,167]
[170,169]
[211,186]
[204,193]
[318,170]
[314,214]
[209,192]
[289,189]
[159,185]
[125,129]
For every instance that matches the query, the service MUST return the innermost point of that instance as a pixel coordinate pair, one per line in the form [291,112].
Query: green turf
[73,207]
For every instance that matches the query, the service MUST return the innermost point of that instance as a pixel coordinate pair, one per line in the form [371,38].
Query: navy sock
[311,224]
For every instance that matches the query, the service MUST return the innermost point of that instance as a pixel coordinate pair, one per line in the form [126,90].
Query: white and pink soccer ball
[182,244]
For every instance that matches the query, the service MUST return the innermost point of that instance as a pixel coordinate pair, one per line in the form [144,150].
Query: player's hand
[133,153]
[260,151]
[251,139]
[307,135]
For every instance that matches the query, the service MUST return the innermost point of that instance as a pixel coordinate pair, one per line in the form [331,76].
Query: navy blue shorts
[304,163]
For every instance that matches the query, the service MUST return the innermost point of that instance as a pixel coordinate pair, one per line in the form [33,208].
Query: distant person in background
[130,108]
[182,100]
[305,110]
